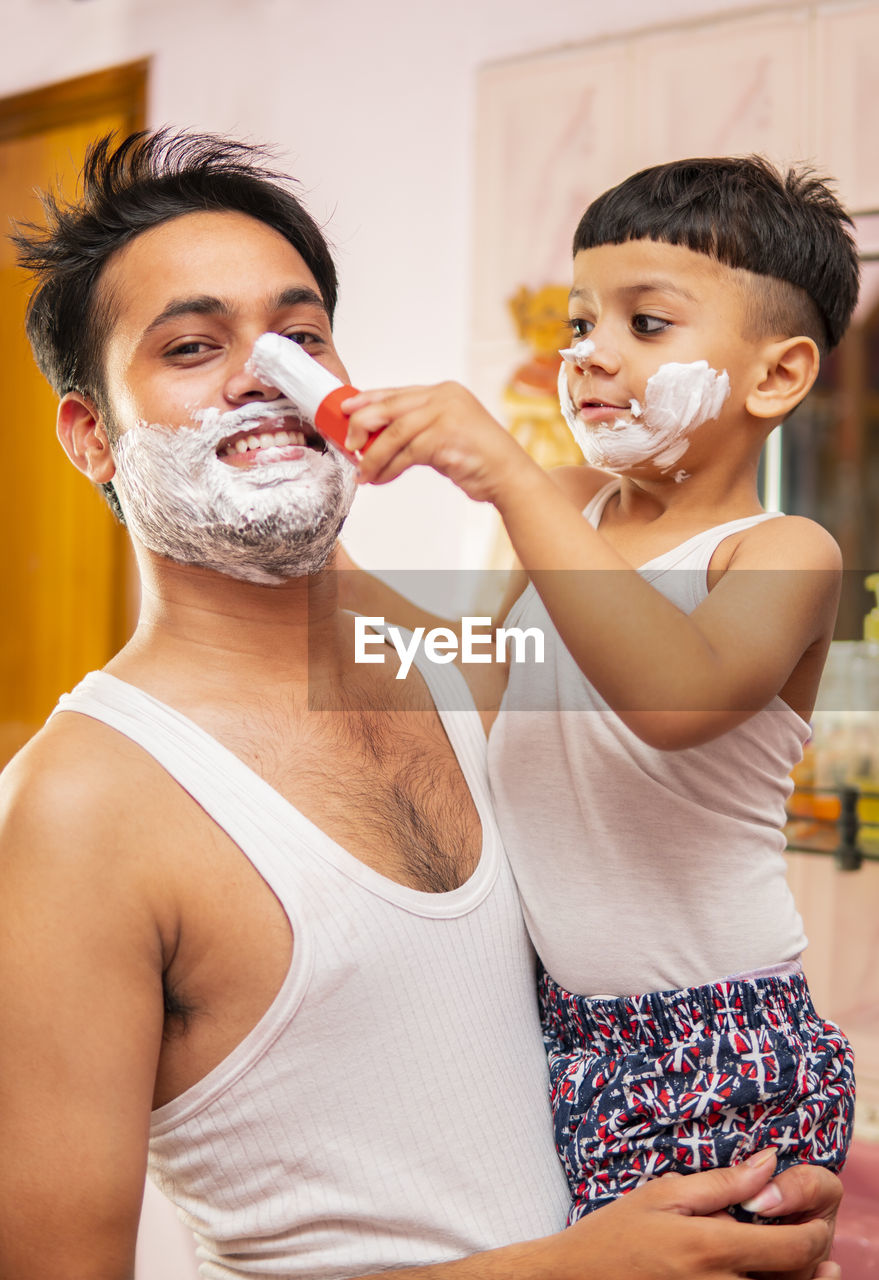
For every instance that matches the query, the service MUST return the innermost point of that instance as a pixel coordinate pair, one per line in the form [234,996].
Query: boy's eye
[579,327]
[649,324]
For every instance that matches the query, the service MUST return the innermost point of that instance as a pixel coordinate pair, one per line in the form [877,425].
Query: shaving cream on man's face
[678,399]
[274,519]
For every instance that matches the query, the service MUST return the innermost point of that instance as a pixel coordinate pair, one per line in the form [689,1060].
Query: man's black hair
[127,187]
[787,228]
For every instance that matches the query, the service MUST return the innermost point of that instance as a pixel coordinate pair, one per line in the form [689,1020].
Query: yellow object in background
[531,394]
[844,748]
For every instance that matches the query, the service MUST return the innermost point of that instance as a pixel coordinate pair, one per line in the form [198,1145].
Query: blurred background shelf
[839,822]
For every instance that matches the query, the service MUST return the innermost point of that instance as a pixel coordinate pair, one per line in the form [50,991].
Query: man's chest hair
[384,784]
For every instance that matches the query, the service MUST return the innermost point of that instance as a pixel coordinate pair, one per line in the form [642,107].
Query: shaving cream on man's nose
[316,392]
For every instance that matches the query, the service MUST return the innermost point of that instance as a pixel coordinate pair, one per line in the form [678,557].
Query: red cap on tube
[332,423]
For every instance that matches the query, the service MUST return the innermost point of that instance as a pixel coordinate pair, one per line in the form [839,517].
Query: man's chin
[246,556]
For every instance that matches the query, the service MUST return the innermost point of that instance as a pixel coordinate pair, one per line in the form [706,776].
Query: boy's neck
[706,498]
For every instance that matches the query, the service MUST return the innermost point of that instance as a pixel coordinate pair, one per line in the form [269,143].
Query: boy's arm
[364,593]
[81,1019]
[675,679]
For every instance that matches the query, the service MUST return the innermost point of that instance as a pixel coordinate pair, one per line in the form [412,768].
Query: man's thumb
[716,1189]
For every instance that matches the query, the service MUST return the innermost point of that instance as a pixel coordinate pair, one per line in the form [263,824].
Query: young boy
[685,633]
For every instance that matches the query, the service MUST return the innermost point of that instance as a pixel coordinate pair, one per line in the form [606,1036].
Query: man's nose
[243,386]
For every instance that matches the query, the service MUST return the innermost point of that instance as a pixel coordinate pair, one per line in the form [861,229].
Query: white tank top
[639,869]
[391,1107]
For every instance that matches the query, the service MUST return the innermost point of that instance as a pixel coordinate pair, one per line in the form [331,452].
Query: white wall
[372,106]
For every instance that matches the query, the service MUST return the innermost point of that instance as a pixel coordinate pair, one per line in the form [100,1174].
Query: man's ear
[785,378]
[84,437]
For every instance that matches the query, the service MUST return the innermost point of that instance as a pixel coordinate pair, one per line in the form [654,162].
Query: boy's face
[645,304]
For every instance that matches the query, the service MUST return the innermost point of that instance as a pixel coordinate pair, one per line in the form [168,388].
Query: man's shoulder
[75,784]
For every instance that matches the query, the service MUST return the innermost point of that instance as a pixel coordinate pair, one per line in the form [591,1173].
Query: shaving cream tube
[316,392]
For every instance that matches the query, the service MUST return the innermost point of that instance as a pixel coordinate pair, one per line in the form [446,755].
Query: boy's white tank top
[391,1107]
[642,870]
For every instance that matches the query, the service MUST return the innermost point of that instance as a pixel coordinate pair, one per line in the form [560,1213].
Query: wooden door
[66,578]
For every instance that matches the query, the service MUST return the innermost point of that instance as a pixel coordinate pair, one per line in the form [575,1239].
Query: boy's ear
[789,369]
[84,438]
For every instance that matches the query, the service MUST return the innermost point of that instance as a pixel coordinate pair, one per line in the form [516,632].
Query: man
[276,951]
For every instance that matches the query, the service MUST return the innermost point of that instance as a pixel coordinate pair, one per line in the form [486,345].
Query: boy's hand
[444,427]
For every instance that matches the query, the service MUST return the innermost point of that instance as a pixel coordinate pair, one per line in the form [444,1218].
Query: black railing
[837,822]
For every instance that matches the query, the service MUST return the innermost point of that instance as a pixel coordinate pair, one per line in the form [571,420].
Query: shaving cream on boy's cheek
[677,400]
[263,523]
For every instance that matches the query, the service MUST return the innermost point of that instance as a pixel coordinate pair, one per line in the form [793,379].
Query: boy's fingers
[387,469]
[379,410]
[397,399]
[392,449]
[358,437]
[362,398]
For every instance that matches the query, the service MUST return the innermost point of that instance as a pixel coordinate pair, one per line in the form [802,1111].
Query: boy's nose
[603,354]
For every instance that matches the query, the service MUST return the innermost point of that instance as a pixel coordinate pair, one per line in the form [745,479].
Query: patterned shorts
[676,1081]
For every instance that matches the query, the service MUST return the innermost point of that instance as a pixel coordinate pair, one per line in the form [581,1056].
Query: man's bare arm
[80,1020]
[674,1229]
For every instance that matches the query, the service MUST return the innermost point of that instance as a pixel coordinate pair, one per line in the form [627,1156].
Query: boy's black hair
[789,229]
[126,188]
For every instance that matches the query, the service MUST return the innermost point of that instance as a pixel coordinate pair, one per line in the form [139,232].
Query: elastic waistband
[662,1018]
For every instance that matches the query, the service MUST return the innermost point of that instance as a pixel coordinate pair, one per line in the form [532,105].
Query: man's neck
[206,636]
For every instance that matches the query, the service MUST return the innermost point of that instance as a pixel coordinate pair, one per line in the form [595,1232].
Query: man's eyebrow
[201,305]
[297,296]
[205,304]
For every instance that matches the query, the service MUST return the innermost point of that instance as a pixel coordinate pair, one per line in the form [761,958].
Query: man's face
[214,467]
[647,306]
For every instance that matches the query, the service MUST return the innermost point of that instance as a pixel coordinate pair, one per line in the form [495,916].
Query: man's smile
[269,441]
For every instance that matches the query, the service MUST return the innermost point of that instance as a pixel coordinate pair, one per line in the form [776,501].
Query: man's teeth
[265,440]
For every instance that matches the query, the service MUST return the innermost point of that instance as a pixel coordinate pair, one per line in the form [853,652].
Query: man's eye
[192,348]
[303,338]
[579,327]
[649,324]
